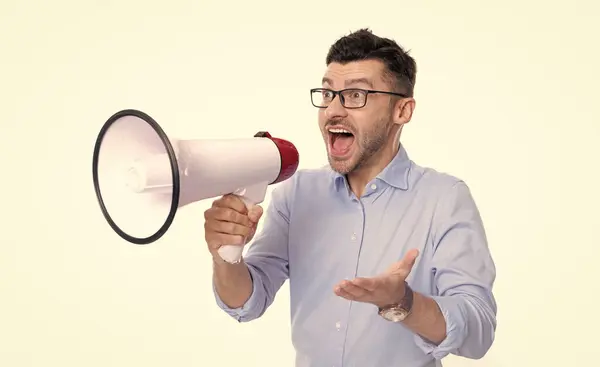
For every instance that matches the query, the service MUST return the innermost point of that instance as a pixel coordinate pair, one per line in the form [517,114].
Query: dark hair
[364,45]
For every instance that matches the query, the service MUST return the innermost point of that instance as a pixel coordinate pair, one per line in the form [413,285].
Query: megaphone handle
[250,196]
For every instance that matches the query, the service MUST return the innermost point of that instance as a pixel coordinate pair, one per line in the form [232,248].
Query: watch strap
[405,303]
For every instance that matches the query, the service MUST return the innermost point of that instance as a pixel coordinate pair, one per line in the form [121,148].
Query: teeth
[339,131]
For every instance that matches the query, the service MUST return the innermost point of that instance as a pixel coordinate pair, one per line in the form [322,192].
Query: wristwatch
[397,312]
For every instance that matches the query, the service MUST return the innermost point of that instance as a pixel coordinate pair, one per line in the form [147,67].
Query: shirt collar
[394,174]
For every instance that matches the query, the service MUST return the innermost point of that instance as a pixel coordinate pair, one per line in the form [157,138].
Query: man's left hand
[381,290]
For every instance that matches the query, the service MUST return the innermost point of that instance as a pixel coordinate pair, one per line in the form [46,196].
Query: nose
[335,110]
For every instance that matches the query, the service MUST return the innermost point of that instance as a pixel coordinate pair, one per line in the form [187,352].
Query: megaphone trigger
[252,195]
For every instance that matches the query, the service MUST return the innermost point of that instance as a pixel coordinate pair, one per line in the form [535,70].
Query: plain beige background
[505,100]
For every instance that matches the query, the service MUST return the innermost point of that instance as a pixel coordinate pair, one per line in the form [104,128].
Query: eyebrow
[350,81]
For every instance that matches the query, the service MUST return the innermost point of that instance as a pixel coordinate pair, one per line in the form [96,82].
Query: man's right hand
[228,222]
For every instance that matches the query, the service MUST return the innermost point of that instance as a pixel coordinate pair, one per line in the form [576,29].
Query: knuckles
[224,224]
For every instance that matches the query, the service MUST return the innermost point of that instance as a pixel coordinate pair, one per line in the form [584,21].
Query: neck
[359,178]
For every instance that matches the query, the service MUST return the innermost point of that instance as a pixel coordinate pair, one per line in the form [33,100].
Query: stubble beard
[368,146]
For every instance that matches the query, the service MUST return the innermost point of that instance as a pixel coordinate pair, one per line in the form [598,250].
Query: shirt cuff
[249,310]
[456,328]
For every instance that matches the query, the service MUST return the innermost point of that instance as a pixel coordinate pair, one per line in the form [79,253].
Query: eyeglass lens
[351,98]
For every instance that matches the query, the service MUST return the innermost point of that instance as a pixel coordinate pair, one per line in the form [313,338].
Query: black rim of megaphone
[174,171]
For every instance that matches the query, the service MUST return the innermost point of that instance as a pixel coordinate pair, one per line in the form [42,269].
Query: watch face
[394,314]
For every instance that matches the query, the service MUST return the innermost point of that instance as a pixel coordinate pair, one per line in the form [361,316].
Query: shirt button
[353,237]
[338,325]
[373,186]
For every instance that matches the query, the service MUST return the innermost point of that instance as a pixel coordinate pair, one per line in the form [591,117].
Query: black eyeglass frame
[339,93]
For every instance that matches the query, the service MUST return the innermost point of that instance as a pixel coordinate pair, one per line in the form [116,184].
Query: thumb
[409,259]
[404,266]
[255,213]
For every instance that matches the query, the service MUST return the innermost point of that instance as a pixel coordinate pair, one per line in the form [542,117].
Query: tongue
[342,142]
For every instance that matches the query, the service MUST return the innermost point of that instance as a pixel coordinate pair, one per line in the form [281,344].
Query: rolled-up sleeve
[464,276]
[266,258]
[254,306]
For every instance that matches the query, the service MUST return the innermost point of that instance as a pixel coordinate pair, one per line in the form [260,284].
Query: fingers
[379,290]
[231,202]
[255,213]
[369,284]
[221,214]
[227,227]
[349,290]
[231,208]
[342,293]
[229,222]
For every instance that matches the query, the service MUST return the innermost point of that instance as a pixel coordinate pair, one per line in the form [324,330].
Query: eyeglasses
[349,98]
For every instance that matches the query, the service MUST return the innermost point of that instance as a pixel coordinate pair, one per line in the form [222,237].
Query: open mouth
[340,141]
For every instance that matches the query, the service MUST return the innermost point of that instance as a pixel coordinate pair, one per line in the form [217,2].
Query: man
[387,261]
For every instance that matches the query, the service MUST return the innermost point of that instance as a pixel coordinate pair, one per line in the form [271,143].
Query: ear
[403,110]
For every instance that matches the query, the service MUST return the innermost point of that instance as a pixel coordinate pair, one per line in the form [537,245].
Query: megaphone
[142,177]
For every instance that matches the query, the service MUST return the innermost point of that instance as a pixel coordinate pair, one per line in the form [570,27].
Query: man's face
[370,126]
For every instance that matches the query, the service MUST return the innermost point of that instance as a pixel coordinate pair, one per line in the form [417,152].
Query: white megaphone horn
[142,177]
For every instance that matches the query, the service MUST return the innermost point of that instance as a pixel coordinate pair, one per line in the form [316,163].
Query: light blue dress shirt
[316,232]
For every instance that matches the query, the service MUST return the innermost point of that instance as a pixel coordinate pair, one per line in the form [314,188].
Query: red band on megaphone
[288,153]
[289,159]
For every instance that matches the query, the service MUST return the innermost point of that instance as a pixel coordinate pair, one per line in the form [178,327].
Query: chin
[342,166]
